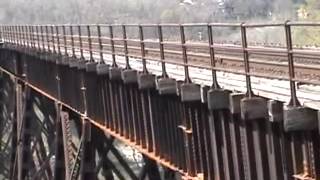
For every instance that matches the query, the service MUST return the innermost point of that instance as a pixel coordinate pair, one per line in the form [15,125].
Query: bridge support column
[101,102]
[169,125]
[254,112]
[146,84]
[275,144]
[243,162]
[59,167]
[103,148]
[220,126]
[93,98]
[114,88]
[24,107]
[301,119]
[150,169]
[191,99]
[87,164]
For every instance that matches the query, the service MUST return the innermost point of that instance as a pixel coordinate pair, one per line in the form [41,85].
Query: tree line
[147,11]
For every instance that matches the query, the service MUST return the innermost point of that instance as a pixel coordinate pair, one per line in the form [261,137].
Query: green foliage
[149,11]
[309,11]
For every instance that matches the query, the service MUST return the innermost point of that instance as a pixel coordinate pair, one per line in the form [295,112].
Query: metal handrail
[107,41]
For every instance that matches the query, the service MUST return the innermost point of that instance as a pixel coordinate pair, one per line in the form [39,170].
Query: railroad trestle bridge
[70,94]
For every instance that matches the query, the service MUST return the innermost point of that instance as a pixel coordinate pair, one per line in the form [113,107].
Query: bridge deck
[200,132]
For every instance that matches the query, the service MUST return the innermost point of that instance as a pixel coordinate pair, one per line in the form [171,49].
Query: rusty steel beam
[87,164]
[23,125]
[199,132]
[59,166]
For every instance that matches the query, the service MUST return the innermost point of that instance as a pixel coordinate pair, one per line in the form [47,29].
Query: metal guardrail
[95,38]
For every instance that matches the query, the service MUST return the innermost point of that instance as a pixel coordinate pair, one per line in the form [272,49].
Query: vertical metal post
[19,108]
[10,31]
[23,37]
[38,37]
[184,55]
[25,32]
[14,29]
[294,100]
[125,46]
[246,59]
[7,33]
[42,39]
[143,52]
[19,35]
[10,34]
[48,40]
[28,36]
[24,124]
[14,137]
[100,44]
[80,42]
[52,39]
[114,63]
[215,84]
[13,34]
[58,39]
[1,32]
[4,33]
[16,35]
[162,57]
[66,134]
[32,37]
[146,100]
[59,166]
[90,43]
[64,40]
[72,42]
[4,29]
[87,167]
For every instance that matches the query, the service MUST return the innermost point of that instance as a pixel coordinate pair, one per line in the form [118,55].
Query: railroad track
[269,62]
[228,59]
